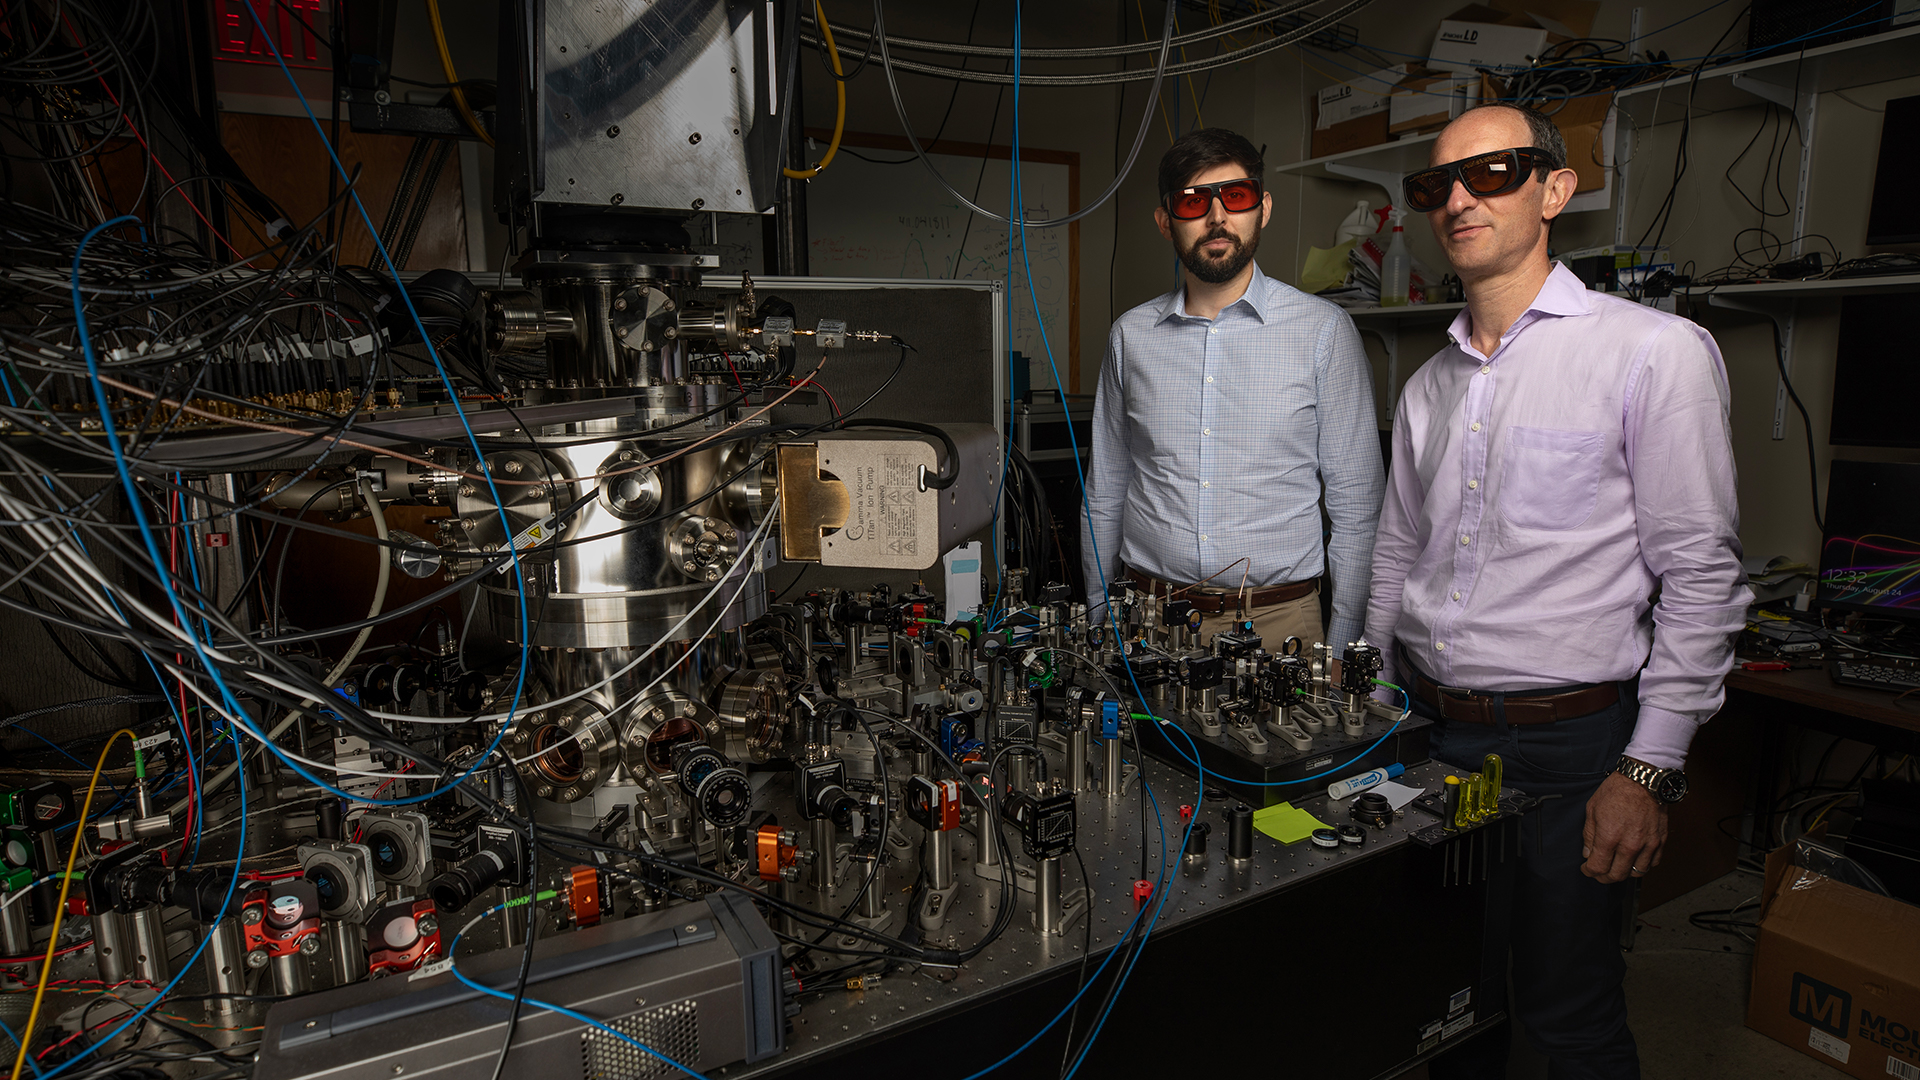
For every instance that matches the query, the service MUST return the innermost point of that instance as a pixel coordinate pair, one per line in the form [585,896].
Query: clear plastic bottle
[1396,267]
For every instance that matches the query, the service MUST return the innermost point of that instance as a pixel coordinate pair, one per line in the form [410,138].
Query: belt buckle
[1457,693]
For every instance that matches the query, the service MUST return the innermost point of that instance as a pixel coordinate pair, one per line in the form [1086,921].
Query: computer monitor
[1893,218]
[1876,373]
[1870,558]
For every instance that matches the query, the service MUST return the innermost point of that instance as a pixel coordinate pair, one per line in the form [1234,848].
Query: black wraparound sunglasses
[1494,173]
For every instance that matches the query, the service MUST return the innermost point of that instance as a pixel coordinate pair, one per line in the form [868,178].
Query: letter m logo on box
[1825,1007]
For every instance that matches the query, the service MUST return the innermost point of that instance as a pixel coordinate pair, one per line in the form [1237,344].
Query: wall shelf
[1809,290]
[1381,166]
[1839,66]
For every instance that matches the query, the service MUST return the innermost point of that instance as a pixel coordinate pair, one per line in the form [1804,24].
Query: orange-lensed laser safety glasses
[1494,173]
[1238,196]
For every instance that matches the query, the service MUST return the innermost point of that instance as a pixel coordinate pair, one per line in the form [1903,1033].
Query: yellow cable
[446,65]
[840,95]
[1139,7]
[60,909]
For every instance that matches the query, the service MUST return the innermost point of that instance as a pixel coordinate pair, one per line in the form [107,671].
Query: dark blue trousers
[1562,929]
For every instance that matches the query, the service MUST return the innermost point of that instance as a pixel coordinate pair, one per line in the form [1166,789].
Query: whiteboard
[894,221]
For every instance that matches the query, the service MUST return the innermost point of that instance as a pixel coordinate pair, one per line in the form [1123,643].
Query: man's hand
[1626,828]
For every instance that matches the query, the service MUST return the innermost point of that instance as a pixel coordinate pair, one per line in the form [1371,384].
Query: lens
[332,891]
[465,880]
[389,850]
[1239,196]
[1491,175]
[1428,190]
[1187,205]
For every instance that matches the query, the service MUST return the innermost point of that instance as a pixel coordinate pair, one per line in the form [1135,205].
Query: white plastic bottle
[1396,268]
[1357,225]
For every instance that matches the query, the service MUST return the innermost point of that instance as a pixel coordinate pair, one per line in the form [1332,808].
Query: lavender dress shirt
[1563,511]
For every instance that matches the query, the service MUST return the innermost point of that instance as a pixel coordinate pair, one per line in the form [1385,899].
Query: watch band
[1667,785]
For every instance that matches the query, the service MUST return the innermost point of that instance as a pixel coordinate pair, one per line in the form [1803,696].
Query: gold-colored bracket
[810,504]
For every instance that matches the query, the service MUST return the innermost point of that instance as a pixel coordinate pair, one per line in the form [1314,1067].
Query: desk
[1869,716]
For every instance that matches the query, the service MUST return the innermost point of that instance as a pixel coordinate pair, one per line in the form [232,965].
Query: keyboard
[1875,676]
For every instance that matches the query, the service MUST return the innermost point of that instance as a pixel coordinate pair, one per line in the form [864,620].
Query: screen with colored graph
[1870,559]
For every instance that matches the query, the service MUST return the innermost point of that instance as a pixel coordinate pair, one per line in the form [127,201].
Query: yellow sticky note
[1286,823]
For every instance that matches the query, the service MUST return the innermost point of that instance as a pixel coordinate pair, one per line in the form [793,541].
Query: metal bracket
[1782,314]
[1385,179]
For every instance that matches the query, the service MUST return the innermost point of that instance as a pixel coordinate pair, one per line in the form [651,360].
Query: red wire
[730,367]
[124,115]
[830,398]
[37,957]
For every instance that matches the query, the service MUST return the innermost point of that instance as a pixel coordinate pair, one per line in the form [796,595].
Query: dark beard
[1218,272]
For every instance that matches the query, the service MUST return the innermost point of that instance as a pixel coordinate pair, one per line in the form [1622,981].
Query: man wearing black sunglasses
[1224,406]
[1562,460]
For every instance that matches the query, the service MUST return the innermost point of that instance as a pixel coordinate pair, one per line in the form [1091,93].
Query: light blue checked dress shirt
[1212,439]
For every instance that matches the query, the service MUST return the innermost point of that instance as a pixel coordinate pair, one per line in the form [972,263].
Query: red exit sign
[298,35]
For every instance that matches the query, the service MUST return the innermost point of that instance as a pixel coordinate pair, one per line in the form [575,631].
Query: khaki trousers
[1292,618]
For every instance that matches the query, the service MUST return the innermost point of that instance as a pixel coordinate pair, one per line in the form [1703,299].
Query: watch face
[1672,786]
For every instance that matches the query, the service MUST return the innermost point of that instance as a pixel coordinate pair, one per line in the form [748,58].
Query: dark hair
[1197,151]
[1545,135]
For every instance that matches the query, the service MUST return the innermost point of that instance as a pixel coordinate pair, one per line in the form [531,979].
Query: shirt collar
[1255,300]
[1561,294]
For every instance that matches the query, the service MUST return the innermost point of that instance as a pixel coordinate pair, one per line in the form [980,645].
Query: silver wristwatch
[1667,785]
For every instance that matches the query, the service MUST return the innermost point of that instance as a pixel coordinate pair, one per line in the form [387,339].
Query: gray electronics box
[664,104]
[700,984]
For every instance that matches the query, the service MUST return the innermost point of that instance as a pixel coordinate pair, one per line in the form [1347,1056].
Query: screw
[310,944]
[398,1069]
[712,574]
[639,1001]
[628,455]
[381,97]
[618,198]
[698,203]
[692,929]
[251,916]
[613,131]
[257,958]
[620,304]
[427,924]
[621,332]
[693,139]
[513,467]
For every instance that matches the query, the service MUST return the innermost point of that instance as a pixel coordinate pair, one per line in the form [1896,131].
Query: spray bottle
[1396,268]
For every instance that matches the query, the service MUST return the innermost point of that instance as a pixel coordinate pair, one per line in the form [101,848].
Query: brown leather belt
[1211,600]
[1467,707]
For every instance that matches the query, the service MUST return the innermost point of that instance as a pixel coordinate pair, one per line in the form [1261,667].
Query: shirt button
[1466,539]
[1203,536]
[1456,596]
[1206,483]
[1212,330]
[1440,646]
[1472,484]
[1485,369]
[1209,378]
[1206,431]
[1476,426]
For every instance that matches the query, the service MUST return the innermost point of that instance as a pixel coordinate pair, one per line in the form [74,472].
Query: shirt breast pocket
[1550,479]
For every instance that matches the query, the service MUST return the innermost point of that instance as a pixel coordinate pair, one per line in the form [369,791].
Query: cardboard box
[1582,122]
[1836,973]
[1353,115]
[1467,47]
[1503,36]
[1428,100]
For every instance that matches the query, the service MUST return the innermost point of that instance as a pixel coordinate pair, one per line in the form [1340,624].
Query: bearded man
[1225,408]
